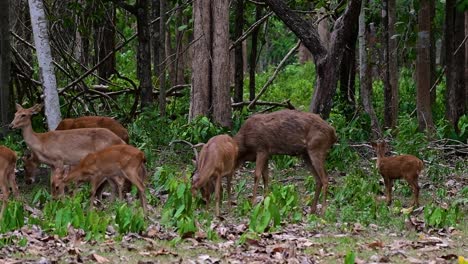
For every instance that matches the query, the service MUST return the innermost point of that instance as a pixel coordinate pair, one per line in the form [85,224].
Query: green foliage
[436,216]
[281,203]
[59,214]
[129,219]
[13,217]
[178,210]
[199,130]
[350,258]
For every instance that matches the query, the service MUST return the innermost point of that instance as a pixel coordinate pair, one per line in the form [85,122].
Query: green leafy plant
[264,213]
[436,216]
[129,219]
[350,258]
[13,217]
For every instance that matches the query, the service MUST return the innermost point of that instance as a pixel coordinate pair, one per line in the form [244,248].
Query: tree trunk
[201,64]
[465,106]
[253,54]
[327,61]
[220,68]
[454,100]
[162,57]
[144,53]
[238,54]
[348,73]
[433,54]
[365,74]
[44,56]
[392,63]
[459,61]
[390,86]
[106,42]
[5,95]
[423,68]
[155,38]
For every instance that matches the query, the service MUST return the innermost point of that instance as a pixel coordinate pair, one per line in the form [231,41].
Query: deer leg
[217,192]
[321,178]
[262,159]
[132,176]
[388,187]
[228,186]
[265,178]
[96,184]
[12,182]
[5,193]
[415,187]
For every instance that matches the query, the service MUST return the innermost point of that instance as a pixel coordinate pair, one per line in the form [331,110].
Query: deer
[61,147]
[217,159]
[31,162]
[407,167]
[287,132]
[117,164]
[7,175]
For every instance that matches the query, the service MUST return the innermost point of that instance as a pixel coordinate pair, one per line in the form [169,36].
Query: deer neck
[380,157]
[30,137]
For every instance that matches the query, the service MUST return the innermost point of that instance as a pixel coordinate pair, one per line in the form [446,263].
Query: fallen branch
[285,104]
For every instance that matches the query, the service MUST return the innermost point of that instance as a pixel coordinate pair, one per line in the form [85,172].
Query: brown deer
[288,132]
[406,167]
[114,164]
[217,159]
[61,147]
[31,162]
[7,175]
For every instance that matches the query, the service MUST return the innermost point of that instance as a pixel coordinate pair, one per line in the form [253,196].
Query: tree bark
[5,95]
[454,97]
[392,65]
[423,68]
[201,64]
[144,53]
[238,53]
[365,73]
[348,73]
[253,54]
[162,57]
[327,61]
[46,68]
[106,41]
[220,68]
[155,13]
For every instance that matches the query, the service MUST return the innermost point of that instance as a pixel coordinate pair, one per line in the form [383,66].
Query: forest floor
[403,241]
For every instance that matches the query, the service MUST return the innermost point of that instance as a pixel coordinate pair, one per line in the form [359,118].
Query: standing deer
[31,162]
[61,147]
[115,164]
[217,159]
[7,175]
[288,132]
[406,167]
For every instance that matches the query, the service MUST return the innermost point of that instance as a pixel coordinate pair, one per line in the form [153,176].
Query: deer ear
[373,144]
[18,107]
[36,108]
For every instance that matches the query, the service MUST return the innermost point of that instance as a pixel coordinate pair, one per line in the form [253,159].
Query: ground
[313,239]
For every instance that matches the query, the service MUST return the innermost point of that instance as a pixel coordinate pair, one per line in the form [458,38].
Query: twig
[272,78]
[249,30]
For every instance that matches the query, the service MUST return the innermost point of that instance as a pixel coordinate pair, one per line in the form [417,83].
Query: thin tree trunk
[465,106]
[253,54]
[44,56]
[390,93]
[238,54]
[459,61]
[201,64]
[365,73]
[155,38]
[347,75]
[106,42]
[423,68]
[144,53]
[5,95]
[162,56]
[392,63]
[433,53]
[220,69]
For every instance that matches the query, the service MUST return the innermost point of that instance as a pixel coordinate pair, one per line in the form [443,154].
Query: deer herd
[96,149]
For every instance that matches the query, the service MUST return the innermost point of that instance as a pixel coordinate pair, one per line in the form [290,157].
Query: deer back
[218,155]
[287,132]
[95,122]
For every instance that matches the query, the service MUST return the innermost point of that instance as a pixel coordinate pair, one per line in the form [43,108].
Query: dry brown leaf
[99,259]
[375,244]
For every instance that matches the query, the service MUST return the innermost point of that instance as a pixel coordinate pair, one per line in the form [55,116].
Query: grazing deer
[61,147]
[7,175]
[217,158]
[406,167]
[31,162]
[288,132]
[115,164]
